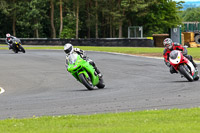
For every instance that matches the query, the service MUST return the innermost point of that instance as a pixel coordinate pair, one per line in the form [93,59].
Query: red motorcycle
[182,65]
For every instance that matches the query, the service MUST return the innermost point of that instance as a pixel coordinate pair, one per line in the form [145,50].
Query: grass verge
[153,121]
[149,51]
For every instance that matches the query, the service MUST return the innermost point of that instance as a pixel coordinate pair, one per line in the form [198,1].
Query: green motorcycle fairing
[77,66]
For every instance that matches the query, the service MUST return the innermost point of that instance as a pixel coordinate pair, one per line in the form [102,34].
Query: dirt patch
[151,54]
[198,59]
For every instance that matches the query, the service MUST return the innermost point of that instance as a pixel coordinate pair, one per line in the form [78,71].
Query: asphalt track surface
[36,84]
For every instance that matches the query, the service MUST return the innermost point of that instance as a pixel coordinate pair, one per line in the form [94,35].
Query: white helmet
[8,35]
[68,48]
[168,43]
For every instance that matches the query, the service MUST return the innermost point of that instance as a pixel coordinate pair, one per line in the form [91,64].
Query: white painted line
[1,90]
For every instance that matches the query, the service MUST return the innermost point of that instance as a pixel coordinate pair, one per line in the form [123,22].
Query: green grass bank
[152,121]
[150,51]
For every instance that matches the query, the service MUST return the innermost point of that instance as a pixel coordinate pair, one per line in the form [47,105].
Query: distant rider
[170,46]
[69,49]
[9,40]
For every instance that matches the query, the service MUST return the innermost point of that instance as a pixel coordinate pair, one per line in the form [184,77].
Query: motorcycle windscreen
[173,54]
[72,58]
[16,40]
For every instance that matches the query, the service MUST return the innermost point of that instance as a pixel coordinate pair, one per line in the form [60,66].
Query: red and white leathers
[167,51]
[176,46]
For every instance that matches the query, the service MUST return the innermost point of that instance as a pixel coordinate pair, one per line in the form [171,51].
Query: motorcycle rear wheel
[185,73]
[196,78]
[86,82]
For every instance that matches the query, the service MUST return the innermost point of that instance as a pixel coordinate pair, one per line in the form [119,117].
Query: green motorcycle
[84,72]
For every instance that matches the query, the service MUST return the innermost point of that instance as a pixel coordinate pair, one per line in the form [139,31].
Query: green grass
[154,121]
[195,52]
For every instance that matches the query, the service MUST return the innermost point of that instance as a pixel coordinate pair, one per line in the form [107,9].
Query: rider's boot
[195,65]
[98,72]
[10,47]
[96,69]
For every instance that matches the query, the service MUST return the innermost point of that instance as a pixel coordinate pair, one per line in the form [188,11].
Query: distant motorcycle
[182,65]
[84,72]
[17,46]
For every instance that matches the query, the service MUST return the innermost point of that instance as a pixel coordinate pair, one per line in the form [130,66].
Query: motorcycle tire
[86,82]
[185,73]
[15,50]
[196,78]
[22,49]
[101,83]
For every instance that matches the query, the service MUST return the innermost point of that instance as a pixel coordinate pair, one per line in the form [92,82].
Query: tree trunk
[53,31]
[96,4]
[114,32]
[14,24]
[37,31]
[120,23]
[89,19]
[103,25]
[61,18]
[120,29]
[77,17]
[14,21]
[111,28]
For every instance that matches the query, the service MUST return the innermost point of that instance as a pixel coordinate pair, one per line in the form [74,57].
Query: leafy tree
[162,15]
[191,14]
[88,18]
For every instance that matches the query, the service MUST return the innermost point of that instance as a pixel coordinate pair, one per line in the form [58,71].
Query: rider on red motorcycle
[170,46]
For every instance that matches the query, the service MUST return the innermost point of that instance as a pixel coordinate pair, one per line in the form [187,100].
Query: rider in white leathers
[69,49]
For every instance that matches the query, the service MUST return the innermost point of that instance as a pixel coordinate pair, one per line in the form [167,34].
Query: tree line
[86,18]
[191,14]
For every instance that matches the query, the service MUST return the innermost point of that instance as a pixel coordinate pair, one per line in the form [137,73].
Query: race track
[36,83]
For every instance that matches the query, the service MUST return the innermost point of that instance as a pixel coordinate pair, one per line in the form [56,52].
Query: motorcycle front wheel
[22,49]
[86,82]
[185,73]
[15,50]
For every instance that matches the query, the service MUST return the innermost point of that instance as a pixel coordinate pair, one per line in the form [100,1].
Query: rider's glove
[184,52]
